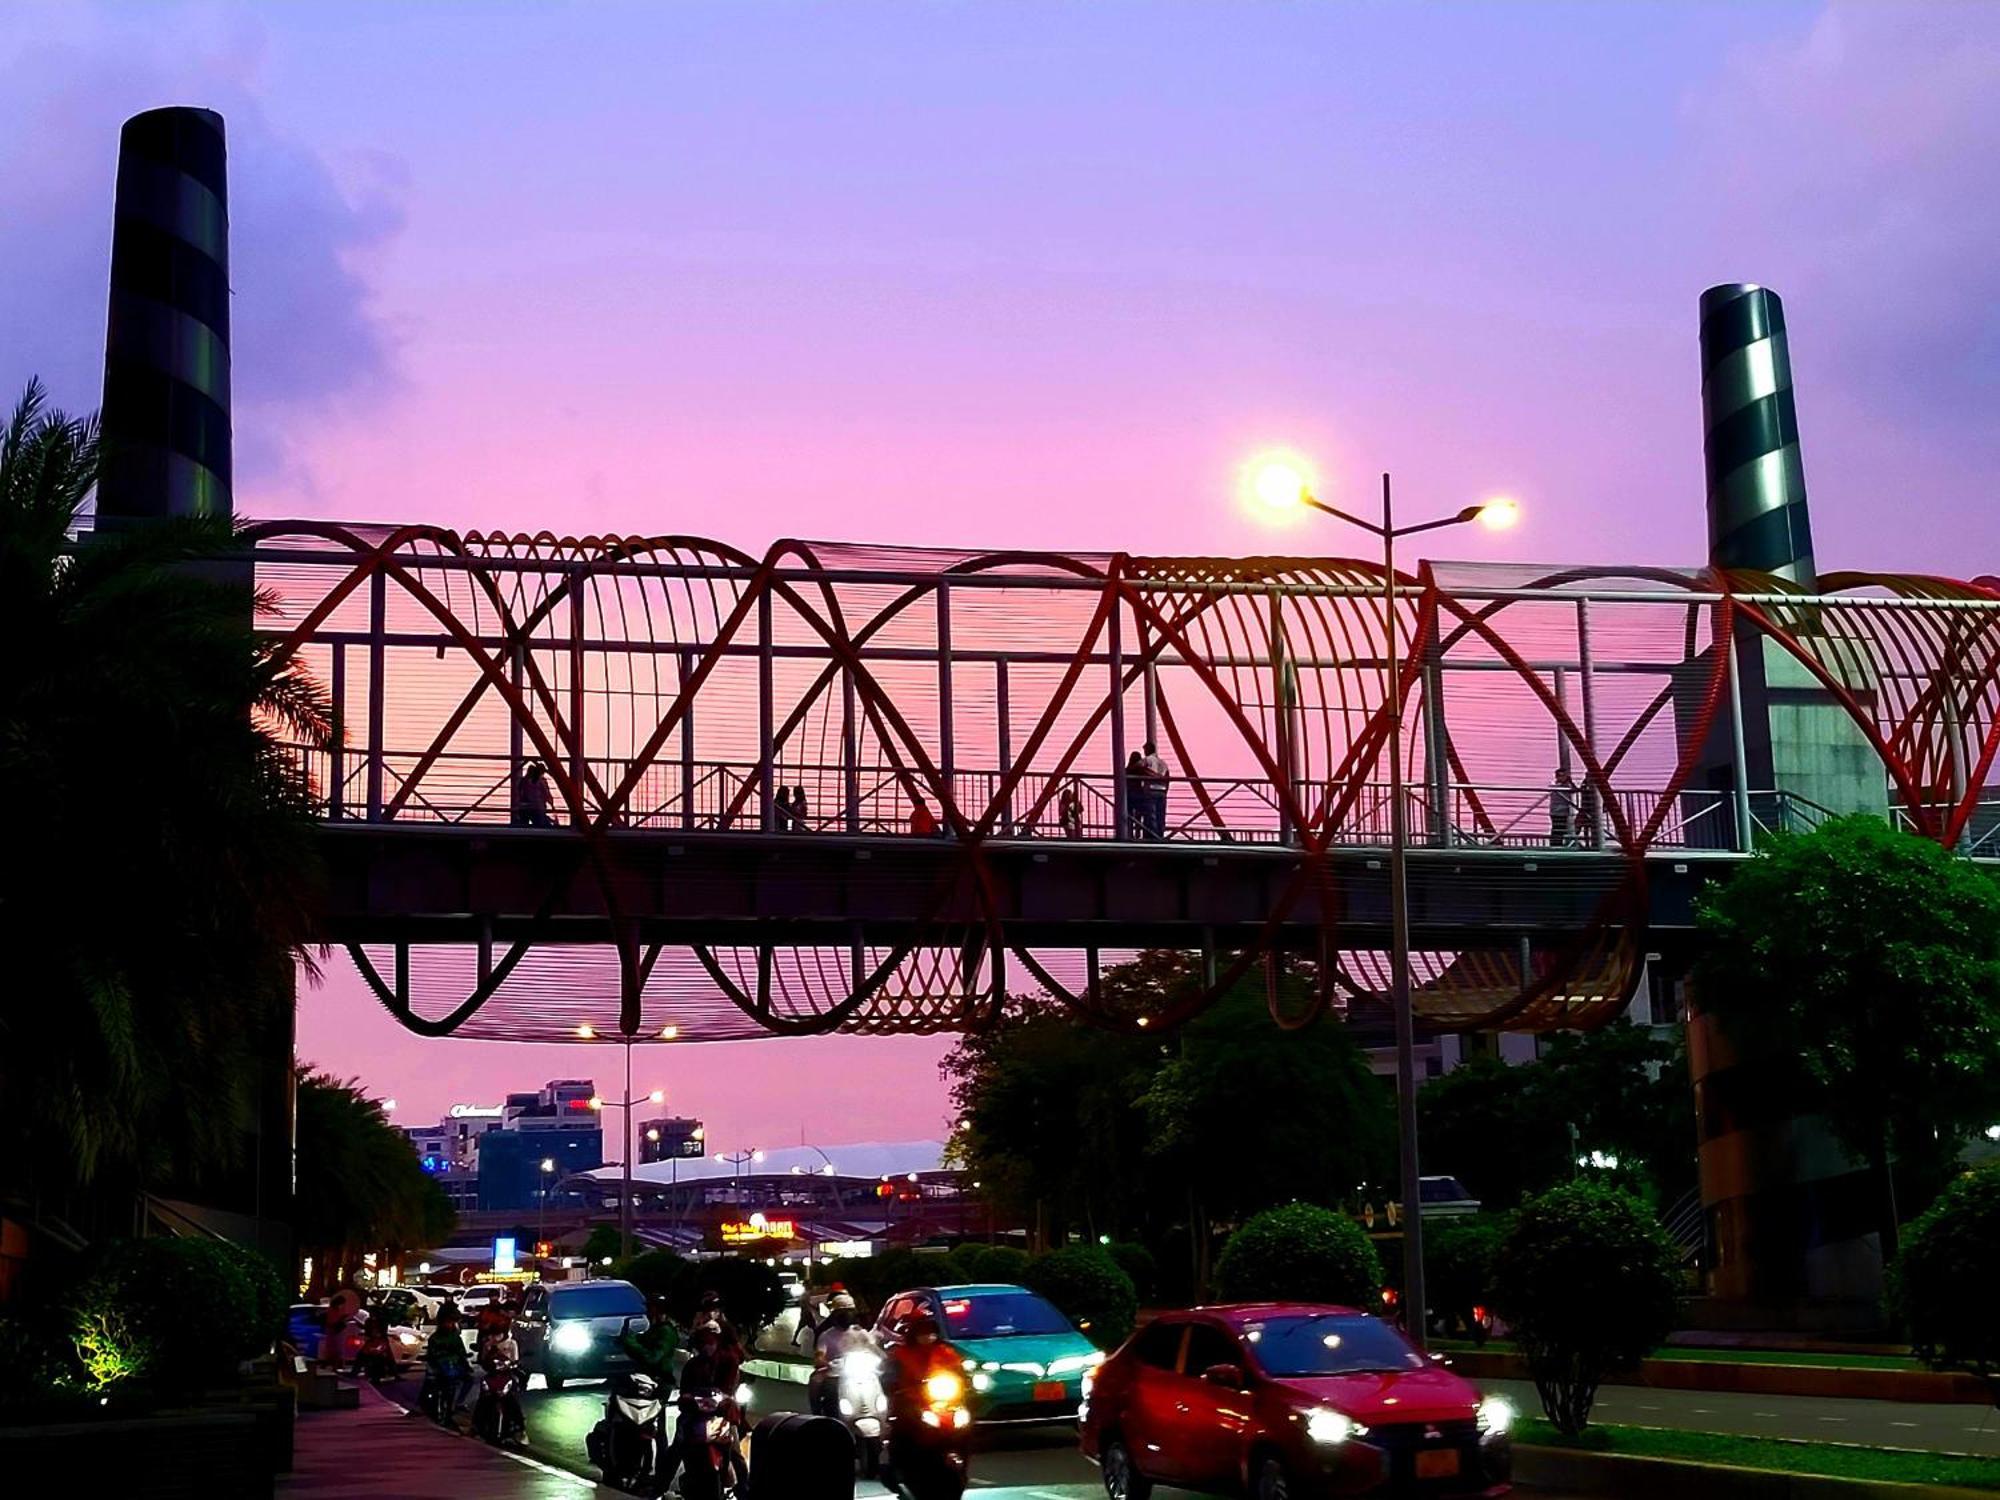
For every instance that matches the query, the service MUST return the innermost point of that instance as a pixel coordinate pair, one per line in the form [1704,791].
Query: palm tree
[360,1188]
[159,882]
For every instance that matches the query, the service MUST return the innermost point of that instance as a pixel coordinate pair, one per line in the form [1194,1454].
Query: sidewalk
[377,1451]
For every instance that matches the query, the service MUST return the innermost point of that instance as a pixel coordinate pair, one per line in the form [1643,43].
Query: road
[1044,1464]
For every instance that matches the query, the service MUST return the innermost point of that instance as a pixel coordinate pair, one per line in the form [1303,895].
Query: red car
[1278,1399]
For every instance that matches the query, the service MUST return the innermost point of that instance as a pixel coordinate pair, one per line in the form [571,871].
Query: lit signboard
[475,1111]
[755,1229]
[503,1255]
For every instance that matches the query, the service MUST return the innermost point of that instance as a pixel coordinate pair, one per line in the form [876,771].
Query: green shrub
[1586,1277]
[38,1359]
[1137,1262]
[178,1313]
[997,1263]
[751,1293]
[1300,1253]
[1942,1285]
[1458,1270]
[956,1266]
[1090,1289]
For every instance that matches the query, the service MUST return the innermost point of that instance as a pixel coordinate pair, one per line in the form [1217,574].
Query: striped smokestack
[166,347]
[1756,483]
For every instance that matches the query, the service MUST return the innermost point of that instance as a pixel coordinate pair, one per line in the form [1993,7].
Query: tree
[603,1244]
[1090,1288]
[1047,1123]
[360,1188]
[1942,1284]
[1507,1131]
[1873,957]
[160,882]
[1300,1253]
[1586,1278]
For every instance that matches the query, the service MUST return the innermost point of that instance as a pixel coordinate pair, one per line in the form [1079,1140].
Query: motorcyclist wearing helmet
[714,1366]
[919,1354]
[835,1336]
[653,1351]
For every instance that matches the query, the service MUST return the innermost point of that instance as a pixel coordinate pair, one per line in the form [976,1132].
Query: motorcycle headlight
[943,1388]
[570,1338]
[1331,1427]
[1495,1416]
[743,1395]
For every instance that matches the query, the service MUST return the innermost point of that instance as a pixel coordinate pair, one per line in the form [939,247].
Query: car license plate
[1049,1390]
[1437,1463]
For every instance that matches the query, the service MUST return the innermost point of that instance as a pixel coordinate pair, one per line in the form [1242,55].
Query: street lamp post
[542,1207]
[737,1160]
[627,1104]
[1279,484]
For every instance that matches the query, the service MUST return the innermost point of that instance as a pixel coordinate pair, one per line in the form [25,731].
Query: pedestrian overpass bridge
[734,747]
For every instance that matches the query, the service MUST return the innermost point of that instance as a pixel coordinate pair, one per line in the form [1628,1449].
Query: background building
[556,1125]
[676,1136]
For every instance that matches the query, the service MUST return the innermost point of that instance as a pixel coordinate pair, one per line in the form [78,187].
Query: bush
[997,1263]
[179,1313]
[1587,1279]
[1942,1283]
[1458,1270]
[751,1293]
[655,1272]
[1090,1289]
[1137,1262]
[1300,1253]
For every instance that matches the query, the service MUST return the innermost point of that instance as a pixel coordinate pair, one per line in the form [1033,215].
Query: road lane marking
[1768,1415]
[1902,1424]
[1833,1419]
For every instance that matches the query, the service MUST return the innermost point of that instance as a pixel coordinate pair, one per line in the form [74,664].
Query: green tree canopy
[1873,957]
[1508,1131]
[360,1187]
[159,881]
[1300,1253]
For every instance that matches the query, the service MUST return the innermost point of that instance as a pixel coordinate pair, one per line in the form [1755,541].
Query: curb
[1838,1382]
[1634,1478]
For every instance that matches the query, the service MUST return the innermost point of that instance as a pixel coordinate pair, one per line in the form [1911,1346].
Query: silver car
[569,1330]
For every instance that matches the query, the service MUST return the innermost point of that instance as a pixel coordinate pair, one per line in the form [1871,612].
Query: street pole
[625,1177]
[1414,1318]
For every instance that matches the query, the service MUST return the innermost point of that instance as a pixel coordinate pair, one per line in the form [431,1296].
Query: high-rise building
[555,1125]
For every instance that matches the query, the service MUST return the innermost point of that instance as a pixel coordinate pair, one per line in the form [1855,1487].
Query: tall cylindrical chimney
[1756,484]
[166,348]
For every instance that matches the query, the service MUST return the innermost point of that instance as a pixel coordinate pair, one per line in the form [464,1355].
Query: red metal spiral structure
[672,686]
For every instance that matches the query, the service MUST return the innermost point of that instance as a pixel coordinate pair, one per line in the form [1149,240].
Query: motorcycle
[852,1395]
[377,1357]
[626,1446]
[712,1432]
[438,1399]
[928,1449]
[497,1415]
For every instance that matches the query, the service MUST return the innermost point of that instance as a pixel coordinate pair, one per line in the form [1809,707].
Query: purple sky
[1015,273]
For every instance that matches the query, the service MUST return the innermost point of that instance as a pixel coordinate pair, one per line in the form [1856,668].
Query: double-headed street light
[1280,486]
[737,1160]
[657,1096]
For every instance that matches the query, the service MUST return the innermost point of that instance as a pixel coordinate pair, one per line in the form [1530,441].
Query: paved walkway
[377,1452]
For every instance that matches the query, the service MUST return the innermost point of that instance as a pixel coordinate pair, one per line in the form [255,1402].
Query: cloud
[305,334]
[1857,168]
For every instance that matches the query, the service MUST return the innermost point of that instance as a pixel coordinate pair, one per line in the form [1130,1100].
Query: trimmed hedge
[1300,1253]
[1089,1288]
[1942,1284]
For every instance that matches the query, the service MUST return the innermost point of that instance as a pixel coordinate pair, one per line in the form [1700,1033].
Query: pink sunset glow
[1037,276]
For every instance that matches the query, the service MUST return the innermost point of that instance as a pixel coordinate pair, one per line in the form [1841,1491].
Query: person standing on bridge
[535,797]
[1069,811]
[799,824]
[1156,792]
[1562,810]
[1136,817]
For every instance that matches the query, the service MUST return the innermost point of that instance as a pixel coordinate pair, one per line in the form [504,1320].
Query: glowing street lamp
[1279,486]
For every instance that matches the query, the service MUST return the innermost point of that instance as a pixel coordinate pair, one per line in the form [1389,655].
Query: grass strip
[1796,1357]
[1835,1459]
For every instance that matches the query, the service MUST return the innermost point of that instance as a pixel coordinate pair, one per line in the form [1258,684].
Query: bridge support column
[1121,810]
[1004,724]
[378,609]
[336,750]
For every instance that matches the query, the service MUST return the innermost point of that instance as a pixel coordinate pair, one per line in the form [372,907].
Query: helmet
[920,1325]
[841,1302]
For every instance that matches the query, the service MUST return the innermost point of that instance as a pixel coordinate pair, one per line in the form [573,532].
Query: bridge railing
[483,788]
